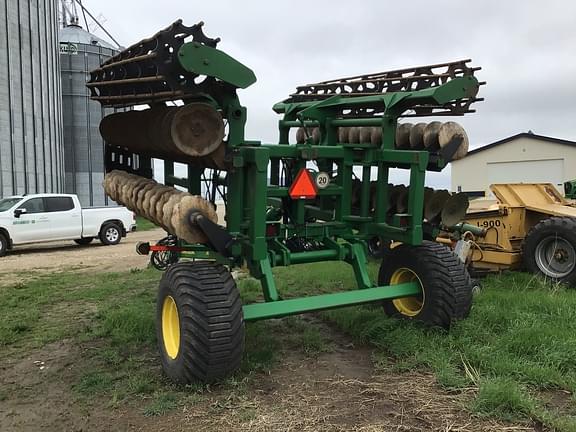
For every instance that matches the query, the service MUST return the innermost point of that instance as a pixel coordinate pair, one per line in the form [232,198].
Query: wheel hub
[409,306]
[170,327]
[111,234]
[555,257]
[561,255]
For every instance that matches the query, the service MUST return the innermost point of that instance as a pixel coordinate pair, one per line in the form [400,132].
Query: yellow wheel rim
[170,327]
[409,306]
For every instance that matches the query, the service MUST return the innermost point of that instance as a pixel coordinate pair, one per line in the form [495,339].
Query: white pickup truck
[55,217]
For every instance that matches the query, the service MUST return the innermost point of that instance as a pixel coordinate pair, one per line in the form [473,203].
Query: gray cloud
[526,49]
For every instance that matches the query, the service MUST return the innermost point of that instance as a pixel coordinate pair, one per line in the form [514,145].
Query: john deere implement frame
[268,226]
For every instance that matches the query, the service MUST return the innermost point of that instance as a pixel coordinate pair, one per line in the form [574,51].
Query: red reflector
[303,187]
[272,230]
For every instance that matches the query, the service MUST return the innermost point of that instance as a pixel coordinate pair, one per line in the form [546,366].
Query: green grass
[305,336]
[504,398]
[517,348]
[39,311]
[143,224]
[94,382]
[162,404]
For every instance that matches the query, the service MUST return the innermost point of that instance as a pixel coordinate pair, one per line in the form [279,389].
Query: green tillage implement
[200,320]
[570,189]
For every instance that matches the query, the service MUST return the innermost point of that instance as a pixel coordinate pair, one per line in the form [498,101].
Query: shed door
[540,171]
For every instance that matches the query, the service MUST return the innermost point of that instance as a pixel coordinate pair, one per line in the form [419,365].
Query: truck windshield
[6,203]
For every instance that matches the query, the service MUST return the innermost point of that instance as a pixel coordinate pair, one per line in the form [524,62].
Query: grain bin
[31,148]
[80,52]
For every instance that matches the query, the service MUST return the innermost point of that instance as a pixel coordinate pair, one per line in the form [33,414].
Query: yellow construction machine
[528,226]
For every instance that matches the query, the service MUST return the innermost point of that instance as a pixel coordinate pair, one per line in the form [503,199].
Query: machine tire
[447,293]
[561,230]
[161,260]
[110,234]
[199,322]
[476,285]
[84,240]
[464,296]
[3,245]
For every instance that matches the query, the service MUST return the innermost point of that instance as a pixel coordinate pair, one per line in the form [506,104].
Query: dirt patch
[340,391]
[23,261]
[38,391]
[561,401]
[333,391]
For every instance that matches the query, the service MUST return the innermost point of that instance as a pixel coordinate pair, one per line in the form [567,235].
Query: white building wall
[522,160]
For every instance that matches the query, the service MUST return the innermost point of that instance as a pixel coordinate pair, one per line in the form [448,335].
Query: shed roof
[523,135]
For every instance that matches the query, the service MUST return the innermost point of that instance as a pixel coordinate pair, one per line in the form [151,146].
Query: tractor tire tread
[565,225]
[211,319]
[445,279]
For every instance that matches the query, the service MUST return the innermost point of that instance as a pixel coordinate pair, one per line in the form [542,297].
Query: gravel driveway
[67,255]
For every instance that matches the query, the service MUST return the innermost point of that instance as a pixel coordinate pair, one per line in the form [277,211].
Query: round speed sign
[322,180]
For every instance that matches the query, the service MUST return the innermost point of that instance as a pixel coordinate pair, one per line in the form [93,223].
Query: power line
[84,14]
[86,11]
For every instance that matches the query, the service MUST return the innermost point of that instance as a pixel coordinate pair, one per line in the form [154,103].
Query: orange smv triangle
[303,187]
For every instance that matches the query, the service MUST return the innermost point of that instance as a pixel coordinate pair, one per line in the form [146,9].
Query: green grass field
[513,359]
[143,224]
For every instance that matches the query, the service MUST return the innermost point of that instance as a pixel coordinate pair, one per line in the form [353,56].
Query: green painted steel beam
[257,311]
[340,152]
[175,180]
[463,227]
[280,191]
[457,88]
[314,256]
[205,60]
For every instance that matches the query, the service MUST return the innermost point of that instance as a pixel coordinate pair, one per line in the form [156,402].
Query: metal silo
[30,99]
[81,52]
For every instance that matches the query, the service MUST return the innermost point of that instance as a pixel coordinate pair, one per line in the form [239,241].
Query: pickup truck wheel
[3,245]
[84,240]
[110,234]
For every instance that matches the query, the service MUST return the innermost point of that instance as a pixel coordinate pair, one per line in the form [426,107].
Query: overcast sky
[527,51]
